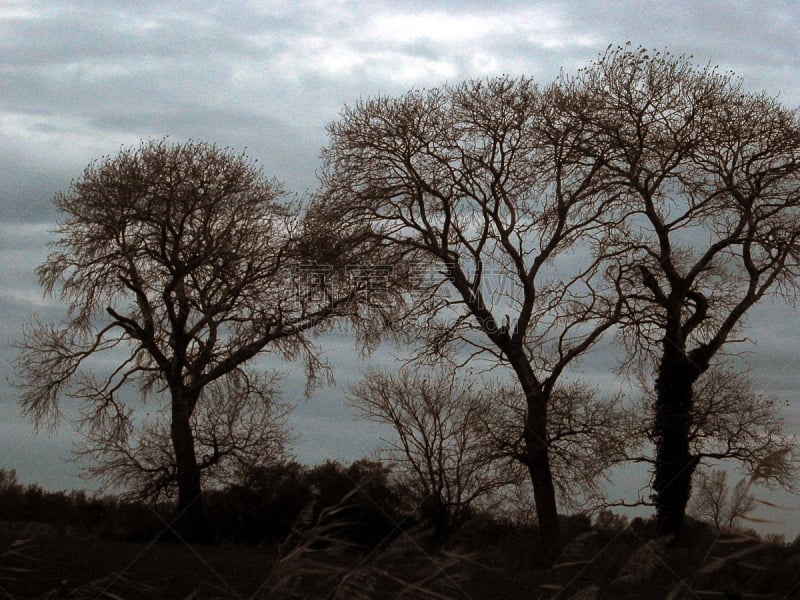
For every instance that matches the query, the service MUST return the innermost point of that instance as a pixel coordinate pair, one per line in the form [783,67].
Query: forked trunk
[192,520]
[675,465]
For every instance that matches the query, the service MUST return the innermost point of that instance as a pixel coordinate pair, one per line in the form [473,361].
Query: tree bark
[537,450]
[675,465]
[192,520]
[538,457]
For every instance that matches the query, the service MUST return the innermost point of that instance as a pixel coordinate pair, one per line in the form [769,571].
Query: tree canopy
[179,263]
[643,194]
[710,177]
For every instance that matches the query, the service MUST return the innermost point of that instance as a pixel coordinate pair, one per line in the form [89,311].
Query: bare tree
[441,448]
[725,507]
[588,434]
[730,425]
[716,502]
[178,265]
[458,443]
[237,425]
[482,180]
[711,176]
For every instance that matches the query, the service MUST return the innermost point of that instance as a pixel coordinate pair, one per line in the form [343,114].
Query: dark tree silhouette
[588,434]
[732,423]
[442,450]
[237,425]
[179,264]
[711,177]
[484,181]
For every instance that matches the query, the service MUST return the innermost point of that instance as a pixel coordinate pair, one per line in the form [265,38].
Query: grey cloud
[286,150]
[755,39]
[103,31]
[80,78]
[26,192]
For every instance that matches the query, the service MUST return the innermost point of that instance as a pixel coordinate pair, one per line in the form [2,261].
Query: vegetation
[643,194]
[177,263]
[458,442]
[484,181]
[442,450]
[710,178]
[363,545]
[492,220]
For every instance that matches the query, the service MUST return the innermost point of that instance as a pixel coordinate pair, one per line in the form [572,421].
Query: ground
[486,562]
[58,564]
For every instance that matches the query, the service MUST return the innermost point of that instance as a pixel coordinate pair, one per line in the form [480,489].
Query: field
[55,565]
[475,563]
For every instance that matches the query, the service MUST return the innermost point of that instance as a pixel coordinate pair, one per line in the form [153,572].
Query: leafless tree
[460,441]
[725,507]
[587,433]
[483,182]
[237,425]
[731,425]
[711,177]
[716,502]
[178,263]
[441,448]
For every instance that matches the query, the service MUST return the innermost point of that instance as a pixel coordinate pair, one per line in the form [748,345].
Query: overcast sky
[80,79]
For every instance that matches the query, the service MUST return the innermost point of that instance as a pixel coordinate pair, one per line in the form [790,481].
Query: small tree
[732,423]
[11,492]
[717,503]
[587,435]
[441,450]
[236,429]
[176,262]
[9,483]
[459,444]
[725,507]
[710,175]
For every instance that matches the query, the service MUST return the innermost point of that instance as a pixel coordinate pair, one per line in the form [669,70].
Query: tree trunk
[537,450]
[538,457]
[191,518]
[675,465]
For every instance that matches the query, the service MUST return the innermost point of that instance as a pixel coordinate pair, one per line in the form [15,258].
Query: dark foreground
[479,562]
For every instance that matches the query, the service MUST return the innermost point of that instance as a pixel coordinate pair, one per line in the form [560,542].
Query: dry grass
[13,559]
[321,561]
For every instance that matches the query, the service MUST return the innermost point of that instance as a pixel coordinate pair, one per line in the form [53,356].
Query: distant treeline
[264,506]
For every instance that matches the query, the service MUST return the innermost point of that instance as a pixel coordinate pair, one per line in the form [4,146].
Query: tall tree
[730,423]
[483,181]
[711,177]
[178,264]
[588,434]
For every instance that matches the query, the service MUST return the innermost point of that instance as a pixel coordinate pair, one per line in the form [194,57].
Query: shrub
[263,506]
